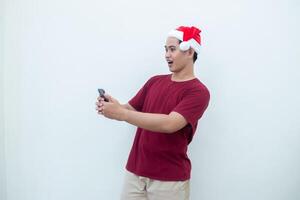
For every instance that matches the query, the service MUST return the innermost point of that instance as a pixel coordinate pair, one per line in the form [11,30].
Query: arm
[128,107]
[153,122]
[156,122]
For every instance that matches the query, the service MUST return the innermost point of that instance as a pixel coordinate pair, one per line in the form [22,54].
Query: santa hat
[190,37]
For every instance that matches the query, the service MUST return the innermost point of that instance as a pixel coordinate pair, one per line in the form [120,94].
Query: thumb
[109,98]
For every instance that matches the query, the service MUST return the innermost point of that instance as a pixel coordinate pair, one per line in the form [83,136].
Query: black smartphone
[101,94]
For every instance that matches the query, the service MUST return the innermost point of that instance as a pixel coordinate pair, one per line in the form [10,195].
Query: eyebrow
[169,46]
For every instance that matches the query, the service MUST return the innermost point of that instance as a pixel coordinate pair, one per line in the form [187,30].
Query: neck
[187,73]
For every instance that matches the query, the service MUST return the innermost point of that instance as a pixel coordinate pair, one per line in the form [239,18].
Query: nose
[167,54]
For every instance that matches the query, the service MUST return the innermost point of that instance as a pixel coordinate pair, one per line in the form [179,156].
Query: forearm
[128,106]
[163,123]
[149,121]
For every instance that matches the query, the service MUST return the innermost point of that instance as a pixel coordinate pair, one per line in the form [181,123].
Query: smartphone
[101,94]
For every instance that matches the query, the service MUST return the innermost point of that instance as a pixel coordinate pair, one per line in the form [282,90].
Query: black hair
[195,56]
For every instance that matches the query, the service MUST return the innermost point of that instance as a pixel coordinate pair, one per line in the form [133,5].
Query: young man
[166,111]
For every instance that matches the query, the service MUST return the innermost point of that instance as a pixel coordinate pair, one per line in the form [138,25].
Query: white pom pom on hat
[190,37]
[184,46]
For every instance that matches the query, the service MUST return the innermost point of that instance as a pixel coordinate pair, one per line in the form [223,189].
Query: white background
[55,54]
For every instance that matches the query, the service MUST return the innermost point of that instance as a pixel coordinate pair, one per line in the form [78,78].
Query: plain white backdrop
[55,54]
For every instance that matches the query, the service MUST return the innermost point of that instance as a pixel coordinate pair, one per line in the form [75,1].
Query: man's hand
[111,109]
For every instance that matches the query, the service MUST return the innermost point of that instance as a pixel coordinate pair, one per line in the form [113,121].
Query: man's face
[176,58]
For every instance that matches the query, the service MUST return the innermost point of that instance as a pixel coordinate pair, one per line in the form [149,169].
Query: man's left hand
[111,109]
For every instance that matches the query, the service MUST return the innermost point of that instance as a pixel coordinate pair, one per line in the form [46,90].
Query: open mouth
[170,62]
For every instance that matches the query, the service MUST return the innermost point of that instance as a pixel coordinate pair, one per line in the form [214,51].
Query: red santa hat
[190,37]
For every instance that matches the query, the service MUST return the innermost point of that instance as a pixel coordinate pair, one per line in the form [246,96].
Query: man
[166,111]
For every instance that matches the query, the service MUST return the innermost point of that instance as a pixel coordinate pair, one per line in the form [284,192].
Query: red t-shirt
[163,156]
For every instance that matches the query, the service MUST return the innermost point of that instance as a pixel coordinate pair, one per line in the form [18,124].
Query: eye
[172,49]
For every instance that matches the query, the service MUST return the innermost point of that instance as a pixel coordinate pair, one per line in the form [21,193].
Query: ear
[191,52]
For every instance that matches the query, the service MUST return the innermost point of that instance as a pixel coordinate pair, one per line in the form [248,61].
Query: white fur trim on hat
[185,45]
[195,45]
[176,34]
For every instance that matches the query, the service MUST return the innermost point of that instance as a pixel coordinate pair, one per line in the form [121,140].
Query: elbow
[173,130]
[171,125]
[169,128]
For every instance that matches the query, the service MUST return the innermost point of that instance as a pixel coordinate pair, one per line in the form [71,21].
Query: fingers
[100,103]
[99,107]
[100,99]
[109,98]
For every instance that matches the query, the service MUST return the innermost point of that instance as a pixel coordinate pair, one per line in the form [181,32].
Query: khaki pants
[142,188]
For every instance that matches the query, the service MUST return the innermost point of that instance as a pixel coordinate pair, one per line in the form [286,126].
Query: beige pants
[142,188]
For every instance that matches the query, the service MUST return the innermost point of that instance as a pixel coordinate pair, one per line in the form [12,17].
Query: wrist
[125,114]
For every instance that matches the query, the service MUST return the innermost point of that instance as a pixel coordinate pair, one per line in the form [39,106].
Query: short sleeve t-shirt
[163,156]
